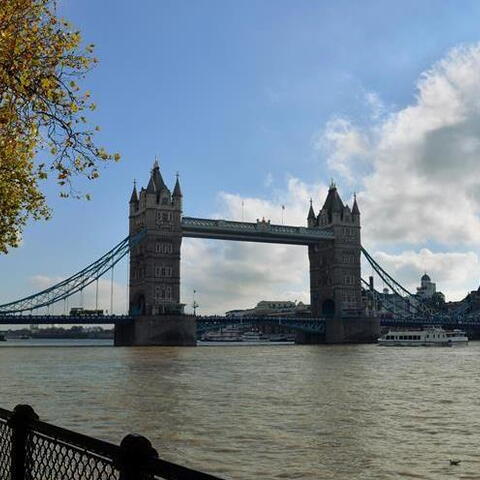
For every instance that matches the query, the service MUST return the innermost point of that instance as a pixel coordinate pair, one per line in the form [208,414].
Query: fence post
[135,451]
[19,422]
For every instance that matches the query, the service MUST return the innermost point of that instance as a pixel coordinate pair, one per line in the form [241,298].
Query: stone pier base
[352,330]
[305,338]
[159,330]
[343,330]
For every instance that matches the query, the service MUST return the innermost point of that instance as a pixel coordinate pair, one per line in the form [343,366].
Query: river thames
[263,411]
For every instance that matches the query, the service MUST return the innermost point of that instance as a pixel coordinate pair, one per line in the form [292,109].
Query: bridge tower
[335,277]
[155,261]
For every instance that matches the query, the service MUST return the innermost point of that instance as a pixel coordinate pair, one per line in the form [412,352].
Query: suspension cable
[75,283]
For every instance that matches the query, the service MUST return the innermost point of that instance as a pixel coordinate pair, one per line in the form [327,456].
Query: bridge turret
[355,211]
[311,218]
[133,199]
[155,261]
[177,194]
[347,215]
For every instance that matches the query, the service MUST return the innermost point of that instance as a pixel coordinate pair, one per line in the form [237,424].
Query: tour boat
[428,336]
[252,337]
[228,334]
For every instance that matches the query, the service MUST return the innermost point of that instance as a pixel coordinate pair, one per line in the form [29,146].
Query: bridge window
[160,292]
[163,247]
[163,271]
[164,217]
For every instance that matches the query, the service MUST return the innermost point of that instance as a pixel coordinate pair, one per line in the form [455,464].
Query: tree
[43,128]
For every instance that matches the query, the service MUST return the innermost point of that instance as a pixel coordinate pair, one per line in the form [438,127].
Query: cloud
[228,275]
[268,182]
[375,104]
[423,182]
[345,146]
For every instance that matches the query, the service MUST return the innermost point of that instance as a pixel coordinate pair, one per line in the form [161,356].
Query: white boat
[428,336]
[253,337]
[227,334]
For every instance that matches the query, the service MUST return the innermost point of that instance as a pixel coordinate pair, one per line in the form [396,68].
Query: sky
[264,102]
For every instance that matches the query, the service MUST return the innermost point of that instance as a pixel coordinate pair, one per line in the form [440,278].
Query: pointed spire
[157,177]
[134,197]
[311,213]
[156,183]
[177,192]
[333,202]
[355,210]
[151,185]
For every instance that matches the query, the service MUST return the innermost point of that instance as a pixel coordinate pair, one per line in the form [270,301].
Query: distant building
[267,308]
[427,288]
[427,294]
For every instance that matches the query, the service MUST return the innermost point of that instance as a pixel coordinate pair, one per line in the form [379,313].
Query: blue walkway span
[212,323]
[64,319]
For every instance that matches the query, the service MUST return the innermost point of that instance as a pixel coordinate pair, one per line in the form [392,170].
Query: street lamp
[194,304]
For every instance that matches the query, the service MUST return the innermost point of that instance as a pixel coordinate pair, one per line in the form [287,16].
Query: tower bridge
[332,237]
[342,311]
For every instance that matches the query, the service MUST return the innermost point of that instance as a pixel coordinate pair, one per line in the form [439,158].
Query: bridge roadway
[204,324]
[6,319]
[261,231]
[208,323]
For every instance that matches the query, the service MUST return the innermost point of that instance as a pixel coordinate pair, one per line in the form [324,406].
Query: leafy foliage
[43,128]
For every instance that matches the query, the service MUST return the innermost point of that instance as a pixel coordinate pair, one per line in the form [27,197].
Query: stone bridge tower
[155,261]
[335,281]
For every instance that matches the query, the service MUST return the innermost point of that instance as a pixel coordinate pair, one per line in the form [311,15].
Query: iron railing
[34,450]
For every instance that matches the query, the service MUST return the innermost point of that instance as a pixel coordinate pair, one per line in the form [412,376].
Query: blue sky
[265,101]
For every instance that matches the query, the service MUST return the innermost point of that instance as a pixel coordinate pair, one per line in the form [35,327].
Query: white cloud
[375,104]
[295,199]
[346,147]
[268,180]
[424,182]
[229,275]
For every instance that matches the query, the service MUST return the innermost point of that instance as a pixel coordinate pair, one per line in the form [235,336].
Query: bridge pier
[308,338]
[157,330]
[343,330]
[352,330]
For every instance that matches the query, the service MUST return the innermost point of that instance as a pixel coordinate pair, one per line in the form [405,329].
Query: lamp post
[194,304]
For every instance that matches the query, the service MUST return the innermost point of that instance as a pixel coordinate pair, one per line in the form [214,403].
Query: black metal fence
[34,450]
